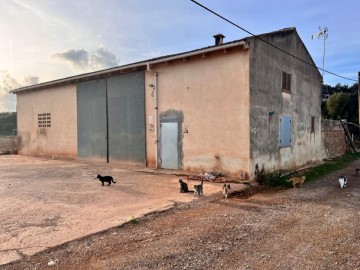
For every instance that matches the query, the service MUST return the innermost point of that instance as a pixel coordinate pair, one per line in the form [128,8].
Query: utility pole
[325,35]
[322,34]
[359,94]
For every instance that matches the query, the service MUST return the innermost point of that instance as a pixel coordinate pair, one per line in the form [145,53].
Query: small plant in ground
[134,220]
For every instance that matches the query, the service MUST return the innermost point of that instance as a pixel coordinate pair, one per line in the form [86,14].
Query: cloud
[3,107]
[8,103]
[102,58]
[30,80]
[78,58]
[8,83]
[82,60]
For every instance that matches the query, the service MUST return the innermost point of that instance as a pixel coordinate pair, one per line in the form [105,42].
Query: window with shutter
[286,82]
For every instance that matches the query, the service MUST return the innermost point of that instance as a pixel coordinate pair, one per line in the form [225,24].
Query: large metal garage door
[126,103]
[111,119]
[91,120]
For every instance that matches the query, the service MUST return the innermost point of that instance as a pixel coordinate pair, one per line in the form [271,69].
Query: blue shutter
[285,131]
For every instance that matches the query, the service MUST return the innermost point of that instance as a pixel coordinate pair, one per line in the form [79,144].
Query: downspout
[107,123]
[156,121]
[155,116]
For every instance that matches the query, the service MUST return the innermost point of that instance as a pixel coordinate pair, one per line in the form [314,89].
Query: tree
[340,102]
[335,104]
[7,123]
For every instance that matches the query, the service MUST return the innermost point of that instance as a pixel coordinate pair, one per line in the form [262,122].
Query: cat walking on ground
[198,189]
[103,179]
[342,181]
[297,180]
[225,189]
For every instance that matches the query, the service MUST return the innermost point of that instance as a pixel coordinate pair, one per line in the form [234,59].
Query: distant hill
[7,123]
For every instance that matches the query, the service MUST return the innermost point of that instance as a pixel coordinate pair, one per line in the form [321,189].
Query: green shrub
[275,179]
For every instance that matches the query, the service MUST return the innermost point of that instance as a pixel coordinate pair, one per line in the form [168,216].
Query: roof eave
[134,66]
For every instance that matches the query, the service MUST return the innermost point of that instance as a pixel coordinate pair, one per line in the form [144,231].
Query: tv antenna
[323,34]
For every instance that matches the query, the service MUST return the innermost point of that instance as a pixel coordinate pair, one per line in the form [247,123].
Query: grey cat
[198,189]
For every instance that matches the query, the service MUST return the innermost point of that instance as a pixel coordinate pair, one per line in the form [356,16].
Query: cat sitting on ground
[198,189]
[183,186]
[297,180]
[342,181]
[225,189]
[103,179]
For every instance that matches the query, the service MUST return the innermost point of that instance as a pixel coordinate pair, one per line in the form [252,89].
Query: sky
[45,40]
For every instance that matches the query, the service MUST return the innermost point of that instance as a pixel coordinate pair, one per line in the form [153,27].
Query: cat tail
[113,181]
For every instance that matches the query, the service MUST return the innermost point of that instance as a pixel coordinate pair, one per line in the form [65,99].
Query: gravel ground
[316,227]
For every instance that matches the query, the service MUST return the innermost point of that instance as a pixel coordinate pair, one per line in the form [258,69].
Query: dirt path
[316,227]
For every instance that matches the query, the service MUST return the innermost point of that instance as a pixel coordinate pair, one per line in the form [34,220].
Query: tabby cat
[225,189]
[198,189]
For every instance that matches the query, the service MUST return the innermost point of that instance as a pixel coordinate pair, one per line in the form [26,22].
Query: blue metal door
[285,131]
[91,120]
[111,119]
[126,118]
[169,153]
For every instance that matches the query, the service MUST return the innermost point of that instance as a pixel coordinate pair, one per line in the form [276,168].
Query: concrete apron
[45,203]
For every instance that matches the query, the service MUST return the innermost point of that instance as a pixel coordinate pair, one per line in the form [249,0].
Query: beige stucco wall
[57,141]
[211,94]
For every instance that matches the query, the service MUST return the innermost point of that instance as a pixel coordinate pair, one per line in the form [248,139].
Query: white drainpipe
[156,121]
[156,127]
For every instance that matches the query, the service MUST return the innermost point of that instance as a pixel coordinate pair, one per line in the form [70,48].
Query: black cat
[103,179]
[183,186]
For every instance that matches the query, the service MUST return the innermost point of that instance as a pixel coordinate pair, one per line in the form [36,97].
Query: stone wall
[333,136]
[8,144]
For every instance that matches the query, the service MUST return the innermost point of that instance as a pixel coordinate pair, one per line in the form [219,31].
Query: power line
[272,45]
